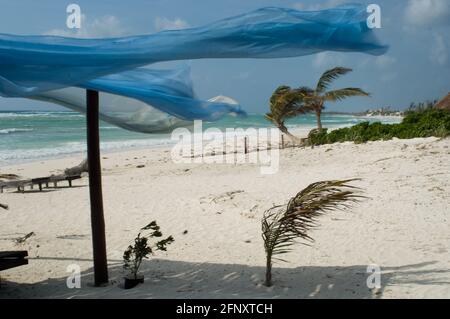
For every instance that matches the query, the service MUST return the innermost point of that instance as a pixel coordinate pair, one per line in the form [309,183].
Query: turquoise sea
[29,135]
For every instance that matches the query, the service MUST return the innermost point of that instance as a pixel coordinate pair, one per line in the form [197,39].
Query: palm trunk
[284,130]
[319,122]
[268,282]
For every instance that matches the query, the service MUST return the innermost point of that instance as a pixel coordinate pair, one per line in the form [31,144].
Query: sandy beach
[214,210]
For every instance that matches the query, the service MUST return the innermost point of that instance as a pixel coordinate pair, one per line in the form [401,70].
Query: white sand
[404,227]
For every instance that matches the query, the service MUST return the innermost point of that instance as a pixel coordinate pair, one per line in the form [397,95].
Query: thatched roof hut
[444,104]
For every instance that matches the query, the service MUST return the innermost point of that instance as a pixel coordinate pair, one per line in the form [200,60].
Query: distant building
[444,104]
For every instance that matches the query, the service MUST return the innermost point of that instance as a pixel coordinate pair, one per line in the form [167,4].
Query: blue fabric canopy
[38,66]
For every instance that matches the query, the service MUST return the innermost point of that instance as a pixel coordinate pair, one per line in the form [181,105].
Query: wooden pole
[245,145]
[95,188]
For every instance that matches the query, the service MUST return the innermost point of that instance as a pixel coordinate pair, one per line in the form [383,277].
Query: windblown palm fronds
[286,103]
[282,226]
[339,95]
[314,100]
[329,76]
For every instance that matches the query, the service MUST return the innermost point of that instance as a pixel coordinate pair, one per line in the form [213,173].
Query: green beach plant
[141,249]
[420,122]
[284,225]
[315,99]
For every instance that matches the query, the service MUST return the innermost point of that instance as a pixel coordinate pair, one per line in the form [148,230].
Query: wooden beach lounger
[20,185]
[55,180]
[11,259]
[41,181]
[72,178]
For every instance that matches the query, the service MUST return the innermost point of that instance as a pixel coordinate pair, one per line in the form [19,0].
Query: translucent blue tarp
[42,67]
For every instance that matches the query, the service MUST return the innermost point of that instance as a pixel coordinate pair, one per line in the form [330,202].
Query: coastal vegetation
[426,119]
[423,121]
[287,102]
[284,225]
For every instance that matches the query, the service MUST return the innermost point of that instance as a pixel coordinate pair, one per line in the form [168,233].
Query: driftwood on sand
[23,239]
[9,176]
[77,170]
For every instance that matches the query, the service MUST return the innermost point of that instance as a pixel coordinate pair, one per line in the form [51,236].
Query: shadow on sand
[176,279]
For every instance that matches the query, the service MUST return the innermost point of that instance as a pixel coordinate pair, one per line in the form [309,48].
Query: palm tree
[286,103]
[315,99]
[283,225]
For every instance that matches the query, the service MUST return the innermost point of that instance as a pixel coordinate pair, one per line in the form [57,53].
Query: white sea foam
[10,156]
[39,114]
[15,130]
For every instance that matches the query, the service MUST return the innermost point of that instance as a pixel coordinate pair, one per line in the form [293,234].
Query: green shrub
[141,249]
[420,123]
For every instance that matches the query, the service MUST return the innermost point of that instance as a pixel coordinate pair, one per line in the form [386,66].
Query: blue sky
[416,68]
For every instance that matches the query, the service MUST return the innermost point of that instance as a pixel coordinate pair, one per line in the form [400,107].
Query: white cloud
[328,59]
[320,59]
[384,61]
[299,6]
[439,52]
[389,77]
[319,6]
[163,23]
[243,75]
[103,27]
[427,12]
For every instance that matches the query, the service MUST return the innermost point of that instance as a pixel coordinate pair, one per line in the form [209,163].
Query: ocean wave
[39,114]
[10,156]
[110,128]
[115,140]
[340,121]
[15,130]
